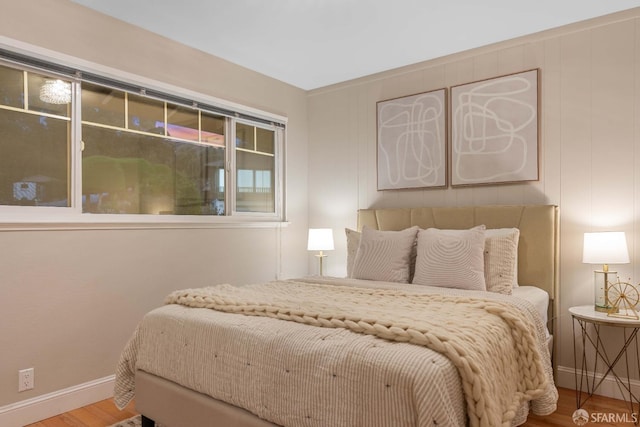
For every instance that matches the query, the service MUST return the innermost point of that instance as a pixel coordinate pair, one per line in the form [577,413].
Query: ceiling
[315,43]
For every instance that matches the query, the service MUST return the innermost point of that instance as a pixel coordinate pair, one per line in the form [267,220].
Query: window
[145,156]
[255,163]
[140,156]
[34,142]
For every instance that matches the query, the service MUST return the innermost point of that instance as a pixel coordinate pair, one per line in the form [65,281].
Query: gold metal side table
[591,337]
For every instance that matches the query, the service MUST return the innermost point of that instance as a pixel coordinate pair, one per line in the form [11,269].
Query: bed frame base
[173,405]
[148,422]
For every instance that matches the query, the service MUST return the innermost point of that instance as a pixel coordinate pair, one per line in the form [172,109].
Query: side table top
[589,314]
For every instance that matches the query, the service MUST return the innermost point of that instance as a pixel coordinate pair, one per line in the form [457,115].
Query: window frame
[278,166]
[49,63]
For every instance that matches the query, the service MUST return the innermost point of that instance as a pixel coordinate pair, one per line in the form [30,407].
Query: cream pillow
[384,255]
[353,241]
[501,259]
[451,258]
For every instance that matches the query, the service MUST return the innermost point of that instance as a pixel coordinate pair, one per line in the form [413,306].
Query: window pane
[265,140]
[49,95]
[34,156]
[255,182]
[212,129]
[182,123]
[11,87]
[200,190]
[128,173]
[146,114]
[102,105]
[245,136]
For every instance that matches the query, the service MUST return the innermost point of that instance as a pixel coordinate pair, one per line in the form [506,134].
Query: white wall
[590,128]
[69,299]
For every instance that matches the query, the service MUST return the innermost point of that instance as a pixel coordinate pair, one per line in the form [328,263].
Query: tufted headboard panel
[538,224]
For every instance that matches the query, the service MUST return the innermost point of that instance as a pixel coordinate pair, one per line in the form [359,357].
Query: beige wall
[69,299]
[590,129]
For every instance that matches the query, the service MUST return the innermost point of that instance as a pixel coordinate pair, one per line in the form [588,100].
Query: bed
[285,353]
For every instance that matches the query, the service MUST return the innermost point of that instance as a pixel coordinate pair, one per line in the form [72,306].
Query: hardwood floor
[567,405]
[100,414]
[105,413]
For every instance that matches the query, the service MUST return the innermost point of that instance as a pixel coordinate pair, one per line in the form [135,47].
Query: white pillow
[451,258]
[501,259]
[384,255]
[511,233]
[353,241]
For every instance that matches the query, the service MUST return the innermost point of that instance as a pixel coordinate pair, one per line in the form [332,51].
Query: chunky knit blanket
[491,343]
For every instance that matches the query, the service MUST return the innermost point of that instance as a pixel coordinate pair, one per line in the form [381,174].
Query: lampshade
[320,239]
[609,247]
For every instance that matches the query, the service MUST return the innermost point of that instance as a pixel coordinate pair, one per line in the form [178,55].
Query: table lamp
[320,239]
[609,247]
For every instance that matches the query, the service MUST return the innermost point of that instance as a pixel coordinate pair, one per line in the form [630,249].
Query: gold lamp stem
[605,269]
[320,256]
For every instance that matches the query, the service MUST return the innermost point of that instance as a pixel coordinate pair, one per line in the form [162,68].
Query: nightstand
[590,323]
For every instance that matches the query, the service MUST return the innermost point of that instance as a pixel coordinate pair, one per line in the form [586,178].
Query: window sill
[90,222]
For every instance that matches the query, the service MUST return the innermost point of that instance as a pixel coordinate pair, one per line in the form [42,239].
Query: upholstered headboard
[538,225]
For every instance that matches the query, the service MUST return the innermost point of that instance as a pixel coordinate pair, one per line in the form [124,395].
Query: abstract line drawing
[494,130]
[412,141]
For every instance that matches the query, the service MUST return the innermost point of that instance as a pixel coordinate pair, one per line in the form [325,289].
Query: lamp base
[603,308]
[320,256]
[601,283]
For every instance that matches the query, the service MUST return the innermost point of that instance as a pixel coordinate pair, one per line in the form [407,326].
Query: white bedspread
[266,365]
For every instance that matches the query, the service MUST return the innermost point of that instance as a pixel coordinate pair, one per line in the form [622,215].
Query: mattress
[537,297]
[290,374]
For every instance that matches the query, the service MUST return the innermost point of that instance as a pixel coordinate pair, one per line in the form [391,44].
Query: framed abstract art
[495,130]
[412,141]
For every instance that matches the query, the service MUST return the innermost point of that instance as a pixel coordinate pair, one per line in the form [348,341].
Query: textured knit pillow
[451,258]
[353,241]
[501,259]
[384,255]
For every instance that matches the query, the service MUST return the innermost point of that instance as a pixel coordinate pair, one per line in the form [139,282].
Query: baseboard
[49,405]
[565,377]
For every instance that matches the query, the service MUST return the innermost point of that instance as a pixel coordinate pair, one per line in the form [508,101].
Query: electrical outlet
[25,379]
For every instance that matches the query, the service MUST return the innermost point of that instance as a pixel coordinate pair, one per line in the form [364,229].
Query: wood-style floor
[567,406]
[105,413]
[100,414]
